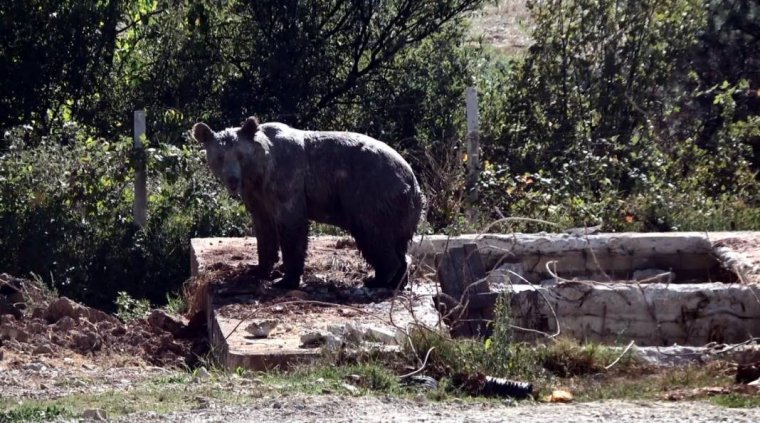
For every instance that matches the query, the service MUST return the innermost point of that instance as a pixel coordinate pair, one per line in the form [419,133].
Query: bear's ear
[249,127]
[202,133]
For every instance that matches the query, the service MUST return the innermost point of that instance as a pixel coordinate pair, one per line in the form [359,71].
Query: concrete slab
[331,304]
[591,290]
[692,256]
[652,314]
[652,288]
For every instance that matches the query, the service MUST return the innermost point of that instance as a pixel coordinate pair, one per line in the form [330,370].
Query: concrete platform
[331,308]
[709,293]
[702,256]
[652,288]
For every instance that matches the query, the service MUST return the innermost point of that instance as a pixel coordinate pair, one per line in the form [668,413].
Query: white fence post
[141,202]
[473,152]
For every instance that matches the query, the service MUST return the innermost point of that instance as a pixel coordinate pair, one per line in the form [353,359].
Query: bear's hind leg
[401,278]
[389,269]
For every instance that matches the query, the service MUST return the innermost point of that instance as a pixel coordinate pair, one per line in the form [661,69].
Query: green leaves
[66,212]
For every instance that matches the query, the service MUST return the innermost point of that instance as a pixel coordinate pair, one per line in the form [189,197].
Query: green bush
[66,214]
[596,123]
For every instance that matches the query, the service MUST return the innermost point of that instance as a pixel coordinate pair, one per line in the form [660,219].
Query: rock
[119,330]
[87,341]
[105,327]
[42,349]
[11,288]
[95,414]
[60,308]
[347,312]
[12,333]
[332,342]
[202,374]
[66,307]
[261,328]
[560,396]
[348,332]
[6,307]
[36,328]
[38,312]
[65,324]
[384,335]
[162,320]
[312,340]
[747,373]
[426,382]
[350,388]
[34,367]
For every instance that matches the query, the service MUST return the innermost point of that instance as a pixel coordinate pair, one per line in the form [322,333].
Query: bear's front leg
[267,244]
[293,231]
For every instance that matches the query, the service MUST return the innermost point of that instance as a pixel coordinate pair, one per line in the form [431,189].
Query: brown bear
[287,177]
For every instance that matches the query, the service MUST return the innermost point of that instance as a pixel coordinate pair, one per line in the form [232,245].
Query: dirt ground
[53,349]
[331,408]
[47,343]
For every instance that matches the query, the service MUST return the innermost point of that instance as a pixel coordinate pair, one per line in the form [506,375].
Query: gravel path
[302,408]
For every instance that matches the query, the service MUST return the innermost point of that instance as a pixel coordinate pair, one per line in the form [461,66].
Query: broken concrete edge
[653,314]
[677,355]
[283,354]
[738,263]
[626,243]
[232,358]
[693,252]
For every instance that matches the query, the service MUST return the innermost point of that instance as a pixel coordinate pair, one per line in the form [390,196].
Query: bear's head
[230,152]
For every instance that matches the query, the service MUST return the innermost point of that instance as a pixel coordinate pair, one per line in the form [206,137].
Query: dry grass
[505,26]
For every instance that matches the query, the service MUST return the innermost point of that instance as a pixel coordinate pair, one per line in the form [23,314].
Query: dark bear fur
[287,177]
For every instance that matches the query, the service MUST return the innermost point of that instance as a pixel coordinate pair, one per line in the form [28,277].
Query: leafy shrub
[595,124]
[128,308]
[66,214]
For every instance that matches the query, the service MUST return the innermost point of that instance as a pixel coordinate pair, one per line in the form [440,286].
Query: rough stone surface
[95,414]
[604,256]
[162,320]
[64,307]
[654,314]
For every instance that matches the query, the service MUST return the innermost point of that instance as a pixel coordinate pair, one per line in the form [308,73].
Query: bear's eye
[239,156]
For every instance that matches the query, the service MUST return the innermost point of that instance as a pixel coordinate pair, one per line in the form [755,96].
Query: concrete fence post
[140,208]
[473,152]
